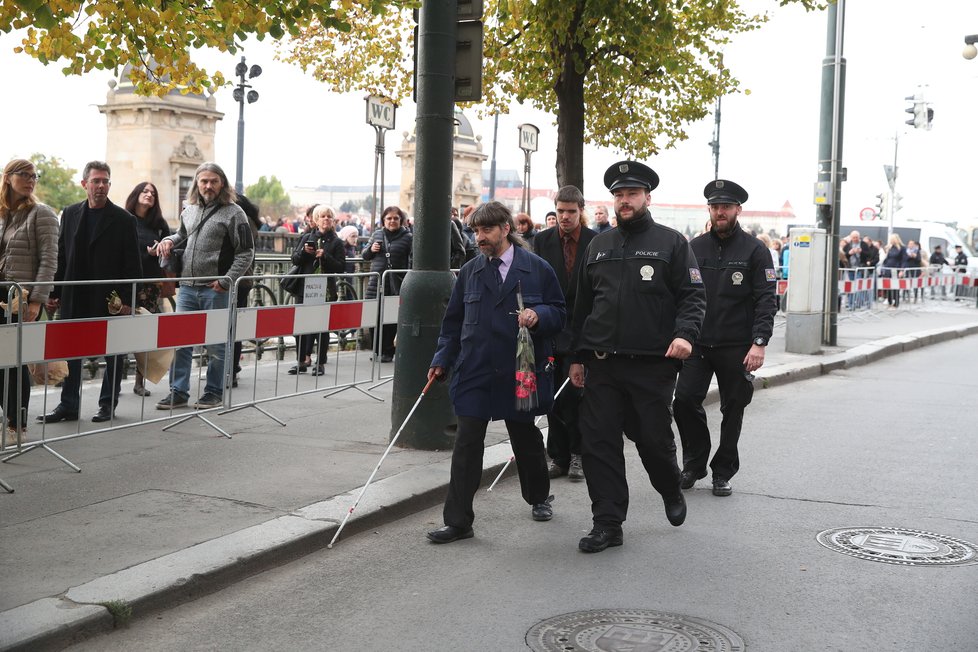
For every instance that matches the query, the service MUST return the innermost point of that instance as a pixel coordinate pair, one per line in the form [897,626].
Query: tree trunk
[570,113]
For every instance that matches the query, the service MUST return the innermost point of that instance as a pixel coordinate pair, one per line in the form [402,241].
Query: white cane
[383,457]
[535,422]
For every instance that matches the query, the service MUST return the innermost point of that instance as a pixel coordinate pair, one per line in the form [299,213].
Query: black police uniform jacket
[638,289]
[741,284]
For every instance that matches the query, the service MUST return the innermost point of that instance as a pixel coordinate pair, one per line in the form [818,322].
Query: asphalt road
[889,444]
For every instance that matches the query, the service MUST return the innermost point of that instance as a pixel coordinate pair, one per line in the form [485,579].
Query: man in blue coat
[477,344]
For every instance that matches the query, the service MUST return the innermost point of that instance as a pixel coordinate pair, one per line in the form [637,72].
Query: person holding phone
[389,248]
[320,251]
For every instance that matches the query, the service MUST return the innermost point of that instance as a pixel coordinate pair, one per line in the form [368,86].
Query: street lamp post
[240,94]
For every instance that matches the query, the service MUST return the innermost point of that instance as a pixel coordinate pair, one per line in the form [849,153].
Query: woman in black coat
[389,248]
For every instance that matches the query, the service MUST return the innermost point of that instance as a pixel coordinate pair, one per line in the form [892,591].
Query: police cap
[722,191]
[630,174]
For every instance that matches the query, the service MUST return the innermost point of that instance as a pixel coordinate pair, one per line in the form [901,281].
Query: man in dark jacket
[638,310]
[563,247]
[740,283]
[97,241]
[477,344]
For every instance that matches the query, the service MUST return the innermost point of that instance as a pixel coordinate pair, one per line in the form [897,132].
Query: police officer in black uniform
[741,302]
[640,303]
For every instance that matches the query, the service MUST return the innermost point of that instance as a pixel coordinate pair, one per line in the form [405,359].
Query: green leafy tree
[57,185]
[349,206]
[107,34]
[270,196]
[626,74]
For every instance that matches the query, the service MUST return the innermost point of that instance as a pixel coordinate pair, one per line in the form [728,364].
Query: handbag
[294,282]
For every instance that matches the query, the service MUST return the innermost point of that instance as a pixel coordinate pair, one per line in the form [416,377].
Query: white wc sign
[380,112]
[528,137]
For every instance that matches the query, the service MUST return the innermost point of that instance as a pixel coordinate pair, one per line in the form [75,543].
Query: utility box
[806,290]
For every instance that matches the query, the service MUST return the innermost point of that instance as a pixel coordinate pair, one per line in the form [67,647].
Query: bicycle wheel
[260,296]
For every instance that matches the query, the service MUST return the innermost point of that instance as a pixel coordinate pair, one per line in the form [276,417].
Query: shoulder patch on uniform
[695,276]
[770,275]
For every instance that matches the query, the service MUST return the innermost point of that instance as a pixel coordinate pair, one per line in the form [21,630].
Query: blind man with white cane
[506,304]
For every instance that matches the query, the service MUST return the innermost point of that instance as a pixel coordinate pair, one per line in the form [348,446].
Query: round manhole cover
[635,630]
[894,545]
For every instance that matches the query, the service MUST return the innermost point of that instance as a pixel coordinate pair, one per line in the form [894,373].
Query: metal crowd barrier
[46,341]
[342,321]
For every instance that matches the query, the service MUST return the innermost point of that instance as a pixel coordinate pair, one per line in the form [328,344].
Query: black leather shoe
[688,479]
[56,415]
[450,533]
[543,511]
[319,371]
[721,487]
[599,539]
[298,369]
[675,509]
[103,414]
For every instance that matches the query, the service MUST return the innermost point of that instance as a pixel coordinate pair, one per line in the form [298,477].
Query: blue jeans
[189,299]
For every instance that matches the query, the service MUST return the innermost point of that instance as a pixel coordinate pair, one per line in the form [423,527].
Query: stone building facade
[157,139]
[466,168]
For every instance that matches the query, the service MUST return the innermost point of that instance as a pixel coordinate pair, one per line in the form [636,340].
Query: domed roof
[464,133]
[463,128]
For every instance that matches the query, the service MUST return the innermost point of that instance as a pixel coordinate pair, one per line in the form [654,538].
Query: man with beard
[477,344]
[638,310]
[741,301]
[219,243]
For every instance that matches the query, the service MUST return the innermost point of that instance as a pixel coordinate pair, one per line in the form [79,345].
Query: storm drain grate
[894,545]
[613,630]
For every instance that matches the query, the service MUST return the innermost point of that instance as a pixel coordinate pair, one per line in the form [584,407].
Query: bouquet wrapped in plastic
[526,375]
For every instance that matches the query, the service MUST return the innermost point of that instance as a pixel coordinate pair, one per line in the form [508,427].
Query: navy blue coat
[477,342]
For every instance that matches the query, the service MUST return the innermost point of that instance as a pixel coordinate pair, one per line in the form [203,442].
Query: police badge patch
[770,275]
[695,276]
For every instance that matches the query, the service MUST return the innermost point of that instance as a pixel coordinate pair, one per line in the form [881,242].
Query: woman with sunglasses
[28,255]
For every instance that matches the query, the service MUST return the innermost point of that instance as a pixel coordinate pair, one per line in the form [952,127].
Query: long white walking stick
[535,422]
[383,457]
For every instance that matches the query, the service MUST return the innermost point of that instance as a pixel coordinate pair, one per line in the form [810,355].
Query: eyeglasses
[28,175]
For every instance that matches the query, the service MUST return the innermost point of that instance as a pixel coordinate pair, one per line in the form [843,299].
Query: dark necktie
[569,255]
[496,264]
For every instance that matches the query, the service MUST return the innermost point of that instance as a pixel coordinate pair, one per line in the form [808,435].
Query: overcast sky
[769,138]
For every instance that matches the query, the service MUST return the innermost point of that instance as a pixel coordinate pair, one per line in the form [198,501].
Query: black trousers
[305,344]
[736,392]
[564,435]
[630,396]
[16,396]
[531,466]
[111,383]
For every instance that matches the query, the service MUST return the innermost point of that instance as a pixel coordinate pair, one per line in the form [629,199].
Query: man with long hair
[477,346]
[219,248]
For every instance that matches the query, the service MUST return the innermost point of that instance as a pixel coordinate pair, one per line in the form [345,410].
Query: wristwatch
[760,341]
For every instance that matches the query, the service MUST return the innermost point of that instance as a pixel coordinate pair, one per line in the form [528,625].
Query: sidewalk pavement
[157,518]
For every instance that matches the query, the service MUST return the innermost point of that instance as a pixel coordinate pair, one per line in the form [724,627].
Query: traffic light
[896,203]
[918,109]
[881,205]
